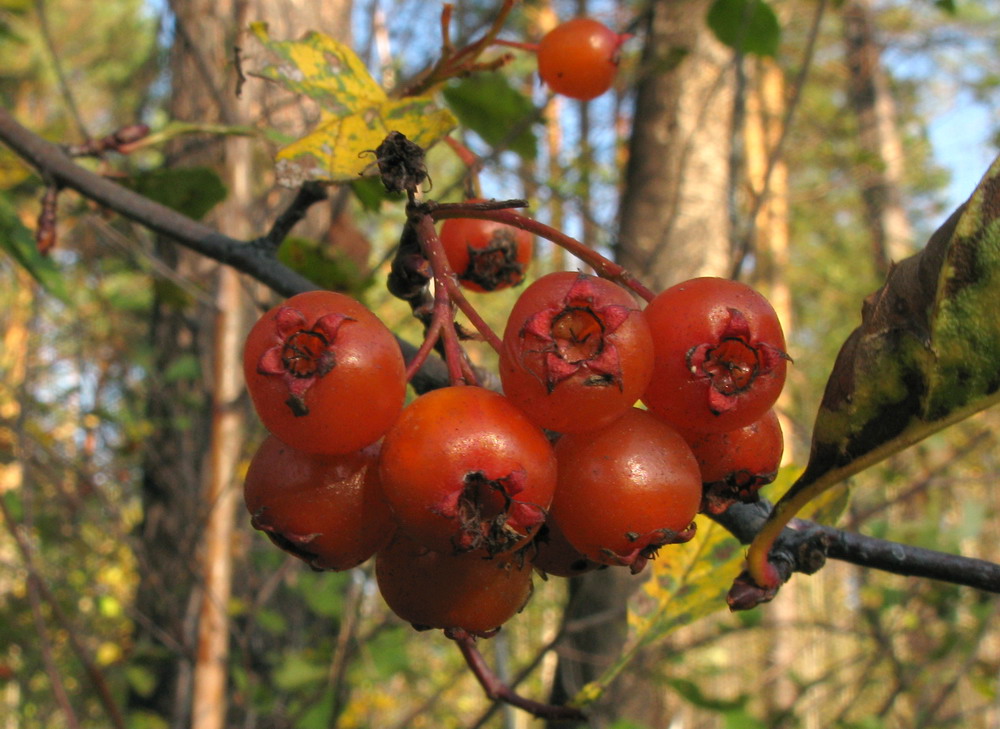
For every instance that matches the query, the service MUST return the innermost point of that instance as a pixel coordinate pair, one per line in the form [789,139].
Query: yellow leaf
[357,113]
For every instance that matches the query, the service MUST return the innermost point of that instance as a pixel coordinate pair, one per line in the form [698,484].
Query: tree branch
[805,546]
[254,258]
[56,166]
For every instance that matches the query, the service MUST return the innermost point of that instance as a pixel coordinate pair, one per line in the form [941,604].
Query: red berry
[554,555]
[736,463]
[325,375]
[577,353]
[464,470]
[451,591]
[579,58]
[720,357]
[326,510]
[626,490]
[486,255]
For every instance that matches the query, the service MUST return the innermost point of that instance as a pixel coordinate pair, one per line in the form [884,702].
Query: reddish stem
[446,282]
[529,47]
[497,690]
[424,351]
[497,211]
[453,63]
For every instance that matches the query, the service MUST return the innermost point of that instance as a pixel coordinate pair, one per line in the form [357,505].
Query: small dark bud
[400,163]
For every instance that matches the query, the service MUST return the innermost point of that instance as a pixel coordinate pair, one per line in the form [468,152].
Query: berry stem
[498,212]
[463,61]
[529,47]
[497,690]
[445,279]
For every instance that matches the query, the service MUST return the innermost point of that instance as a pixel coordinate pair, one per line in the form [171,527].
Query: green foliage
[749,26]
[487,104]
[324,265]
[19,243]
[193,191]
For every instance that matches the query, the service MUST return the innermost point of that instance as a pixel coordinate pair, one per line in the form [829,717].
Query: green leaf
[324,592]
[947,6]
[926,355]
[187,367]
[357,114]
[19,243]
[749,26]
[189,190]
[487,104]
[742,720]
[324,265]
[371,193]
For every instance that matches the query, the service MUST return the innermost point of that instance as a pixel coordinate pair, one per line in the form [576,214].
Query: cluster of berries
[463,493]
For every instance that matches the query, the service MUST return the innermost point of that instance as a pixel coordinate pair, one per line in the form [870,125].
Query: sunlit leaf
[357,112]
[926,355]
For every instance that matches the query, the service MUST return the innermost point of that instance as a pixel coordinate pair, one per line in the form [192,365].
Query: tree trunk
[881,172]
[189,486]
[673,223]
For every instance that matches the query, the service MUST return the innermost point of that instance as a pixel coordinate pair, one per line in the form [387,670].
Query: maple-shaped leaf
[357,113]
[926,355]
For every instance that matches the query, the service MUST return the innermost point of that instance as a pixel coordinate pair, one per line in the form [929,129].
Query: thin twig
[498,690]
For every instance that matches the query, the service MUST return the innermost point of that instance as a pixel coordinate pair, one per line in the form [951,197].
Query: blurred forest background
[133,592]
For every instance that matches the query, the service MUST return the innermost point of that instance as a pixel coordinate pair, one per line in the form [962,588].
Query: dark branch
[257,261]
[57,167]
[805,546]
[800,549]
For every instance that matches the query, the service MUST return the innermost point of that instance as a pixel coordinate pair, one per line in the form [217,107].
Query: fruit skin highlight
[626,490]
[326,510]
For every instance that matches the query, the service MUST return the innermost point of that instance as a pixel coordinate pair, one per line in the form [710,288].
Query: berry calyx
[302,354]
[486,255]
[576,352]
[719,355]
[735,464]
[324,373]
[465,471]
